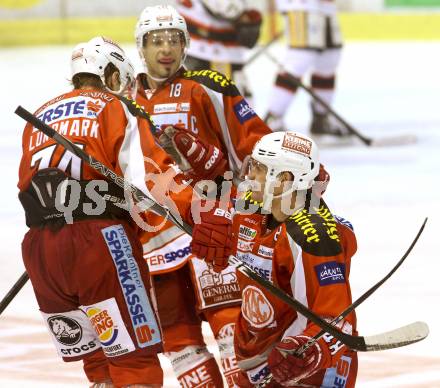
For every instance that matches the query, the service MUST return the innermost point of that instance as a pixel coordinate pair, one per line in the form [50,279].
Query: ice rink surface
[384,89]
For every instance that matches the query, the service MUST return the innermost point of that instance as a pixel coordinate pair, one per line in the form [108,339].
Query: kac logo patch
[256,308]
[331,272]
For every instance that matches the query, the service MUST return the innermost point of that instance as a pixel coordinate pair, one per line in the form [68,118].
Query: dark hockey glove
[248,28]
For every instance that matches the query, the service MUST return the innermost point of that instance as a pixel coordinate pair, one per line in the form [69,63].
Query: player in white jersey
[222,32]
[314,45]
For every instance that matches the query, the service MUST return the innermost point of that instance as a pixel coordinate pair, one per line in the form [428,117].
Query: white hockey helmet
[93,57]
[159,17]
[287,152]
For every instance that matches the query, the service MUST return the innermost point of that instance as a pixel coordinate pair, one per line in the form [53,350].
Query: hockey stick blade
[393,141]
[403,336]
[356,303]
[367,140]
[358,343]
[367,293]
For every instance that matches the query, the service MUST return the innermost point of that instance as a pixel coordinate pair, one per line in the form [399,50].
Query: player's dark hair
[81,80]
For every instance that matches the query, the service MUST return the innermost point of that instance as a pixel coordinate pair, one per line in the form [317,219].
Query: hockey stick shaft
[354,342]
[100,167]
[263,49]
[355,304]
[15,289]
[94,163]
[365,139]
[365,295]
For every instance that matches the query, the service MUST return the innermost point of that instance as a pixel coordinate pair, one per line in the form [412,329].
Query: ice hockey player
[82,252]
[287,235]
[314,44]
[210,107]
[222,32]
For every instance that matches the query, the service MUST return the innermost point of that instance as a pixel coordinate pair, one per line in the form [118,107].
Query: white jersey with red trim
[212,39]
[327,7]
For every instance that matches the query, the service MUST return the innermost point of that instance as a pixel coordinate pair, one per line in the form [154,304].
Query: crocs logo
[66,330]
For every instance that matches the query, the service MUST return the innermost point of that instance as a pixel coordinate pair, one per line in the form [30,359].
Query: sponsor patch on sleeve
[343,221]
[243,111]
[331,272]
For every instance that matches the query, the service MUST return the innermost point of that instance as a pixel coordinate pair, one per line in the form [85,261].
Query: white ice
[384,89]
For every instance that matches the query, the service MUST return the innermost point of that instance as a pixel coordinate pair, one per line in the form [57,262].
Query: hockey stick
[355,304]
[369,141]
[263,49]
[396,338]
[138,195]
[365,295]
[354,342]
[15,289]
[405,335]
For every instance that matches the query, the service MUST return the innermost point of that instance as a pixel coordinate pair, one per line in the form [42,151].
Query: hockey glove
[211,238]
[287,368]
[321,181]
[248,28]
[195,158]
